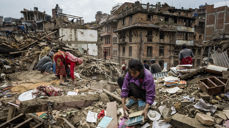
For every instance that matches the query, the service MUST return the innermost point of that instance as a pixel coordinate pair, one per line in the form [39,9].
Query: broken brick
[182,121]
[205,119]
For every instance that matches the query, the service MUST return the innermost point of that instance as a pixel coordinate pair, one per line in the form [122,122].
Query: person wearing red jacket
[64,60]
[72,61]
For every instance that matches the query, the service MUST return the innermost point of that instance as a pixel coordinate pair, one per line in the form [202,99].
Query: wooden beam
[38,125]
[111,111]
[23,123]
[113,95]
[37,40]
[10,113]
[6,124]
[60,102]
[67,122]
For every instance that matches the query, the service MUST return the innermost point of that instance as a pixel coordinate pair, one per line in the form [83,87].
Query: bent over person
[138,85]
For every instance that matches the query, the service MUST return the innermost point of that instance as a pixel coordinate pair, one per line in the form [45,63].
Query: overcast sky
[88,8]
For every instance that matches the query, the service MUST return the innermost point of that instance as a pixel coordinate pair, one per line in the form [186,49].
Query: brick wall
[217,20]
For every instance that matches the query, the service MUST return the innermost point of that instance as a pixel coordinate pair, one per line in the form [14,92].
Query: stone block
[182,121]
[221,115]
[205,119]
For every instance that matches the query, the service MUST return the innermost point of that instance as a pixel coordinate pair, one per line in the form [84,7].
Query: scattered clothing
[47,91]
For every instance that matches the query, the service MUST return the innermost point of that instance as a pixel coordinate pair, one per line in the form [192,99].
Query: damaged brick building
[216,38]
[148,32]
[35,19]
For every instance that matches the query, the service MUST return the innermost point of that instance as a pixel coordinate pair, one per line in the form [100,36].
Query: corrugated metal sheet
[160,75]
[220,59]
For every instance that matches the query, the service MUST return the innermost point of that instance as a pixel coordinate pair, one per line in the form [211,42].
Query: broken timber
[111,111]
[67,122]
[60,102]
[191,74]
[37,40]
[113,95]
[22,121]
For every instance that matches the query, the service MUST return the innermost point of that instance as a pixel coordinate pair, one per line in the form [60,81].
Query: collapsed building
[75,33]
[144,31]
[216,37]
[35,19]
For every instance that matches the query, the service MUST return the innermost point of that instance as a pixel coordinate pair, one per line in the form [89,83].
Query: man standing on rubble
[138,85]
[45,63]
[185,55]
[155,67]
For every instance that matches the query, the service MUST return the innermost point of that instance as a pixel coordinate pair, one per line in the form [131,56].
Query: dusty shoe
[130,102]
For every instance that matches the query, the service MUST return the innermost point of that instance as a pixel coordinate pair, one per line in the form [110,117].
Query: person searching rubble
[64,61]
[138,85]
[185,55]
[155,67]
[45,64]
[71,62]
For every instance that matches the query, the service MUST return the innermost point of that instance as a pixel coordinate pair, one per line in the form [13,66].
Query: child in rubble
[138,85]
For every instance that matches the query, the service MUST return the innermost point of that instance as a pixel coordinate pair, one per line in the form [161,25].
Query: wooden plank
[38,125]
[225,74]
[138,113]
[23,123]
[33,64]
[36,118]
[37,40]
[10,113]
[113,95]
[4,125]
[61,102]
[111,111]
[68,123]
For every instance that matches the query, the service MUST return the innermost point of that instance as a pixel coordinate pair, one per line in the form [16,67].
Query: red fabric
[72,60]
[71,57]
[101,114]
[187,60]
[72,66]
[124,68]
[59,60]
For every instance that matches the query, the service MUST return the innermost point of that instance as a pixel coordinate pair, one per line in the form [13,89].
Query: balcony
[184,29]
[105,33]
[188,43]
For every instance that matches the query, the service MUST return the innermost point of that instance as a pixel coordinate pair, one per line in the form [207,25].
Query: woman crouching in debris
[65,61]
[59,58]
[138,85]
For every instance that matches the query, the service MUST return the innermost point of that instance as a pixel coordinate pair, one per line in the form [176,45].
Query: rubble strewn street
[59,72]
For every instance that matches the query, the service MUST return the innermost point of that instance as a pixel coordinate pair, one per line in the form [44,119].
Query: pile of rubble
[185,97]
[194,97]
[23,53]
[99,69]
